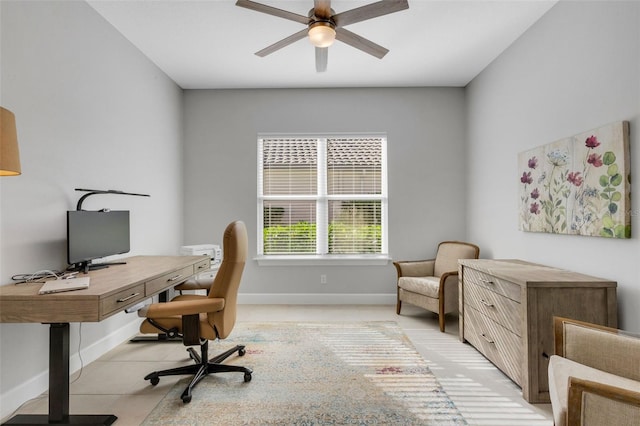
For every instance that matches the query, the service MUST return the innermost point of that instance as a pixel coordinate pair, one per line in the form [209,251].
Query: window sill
[315,260]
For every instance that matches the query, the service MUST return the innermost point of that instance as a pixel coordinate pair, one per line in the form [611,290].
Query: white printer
[203,279]
[212,250]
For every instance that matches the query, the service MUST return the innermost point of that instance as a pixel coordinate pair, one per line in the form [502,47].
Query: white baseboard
[316,299]
[104,345]
[13,398]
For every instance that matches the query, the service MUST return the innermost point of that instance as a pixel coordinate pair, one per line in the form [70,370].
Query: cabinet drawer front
[506,288]
[502,310]
[122,299]
[202,266]
[496,343]
[168,280]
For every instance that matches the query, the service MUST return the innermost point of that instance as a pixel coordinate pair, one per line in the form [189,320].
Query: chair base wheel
[154,378]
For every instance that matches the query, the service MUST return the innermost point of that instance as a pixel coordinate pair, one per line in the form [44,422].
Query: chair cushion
[427,286]
[560,369]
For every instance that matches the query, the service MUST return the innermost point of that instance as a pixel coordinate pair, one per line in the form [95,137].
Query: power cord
[79,355]
[41,275]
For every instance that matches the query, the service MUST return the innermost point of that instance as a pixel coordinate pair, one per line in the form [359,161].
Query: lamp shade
[9,154]
[322,34]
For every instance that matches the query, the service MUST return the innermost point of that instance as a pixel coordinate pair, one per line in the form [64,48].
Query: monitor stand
[85,267]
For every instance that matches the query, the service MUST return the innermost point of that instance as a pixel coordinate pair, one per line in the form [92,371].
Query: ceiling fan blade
[322,9]
[322,54]
[354,40]
[282,43]
[270,10]
[369,11]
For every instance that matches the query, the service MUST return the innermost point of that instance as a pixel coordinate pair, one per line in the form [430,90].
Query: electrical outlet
[323,279]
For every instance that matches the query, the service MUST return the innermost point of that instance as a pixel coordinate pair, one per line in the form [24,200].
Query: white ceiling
[207,44]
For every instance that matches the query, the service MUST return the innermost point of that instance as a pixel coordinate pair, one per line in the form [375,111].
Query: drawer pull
[124,299]
[487,281]
[487,338]
[202,266]
[174,278]
[487,304]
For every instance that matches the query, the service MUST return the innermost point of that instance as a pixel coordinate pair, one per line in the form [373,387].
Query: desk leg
[58,371]
[59,388]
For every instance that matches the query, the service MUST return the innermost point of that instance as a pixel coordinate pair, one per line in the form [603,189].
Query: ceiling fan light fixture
[322,34]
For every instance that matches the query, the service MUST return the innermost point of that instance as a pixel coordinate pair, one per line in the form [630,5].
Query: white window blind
[322,196]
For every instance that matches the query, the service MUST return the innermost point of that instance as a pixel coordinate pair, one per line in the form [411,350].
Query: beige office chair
[199,318]
[433,284]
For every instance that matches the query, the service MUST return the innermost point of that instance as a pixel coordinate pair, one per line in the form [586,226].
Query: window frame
[322,200]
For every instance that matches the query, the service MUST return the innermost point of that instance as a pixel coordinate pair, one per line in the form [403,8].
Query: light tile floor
[114,383]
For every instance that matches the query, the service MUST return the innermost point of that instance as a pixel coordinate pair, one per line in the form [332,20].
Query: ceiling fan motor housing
[322,33]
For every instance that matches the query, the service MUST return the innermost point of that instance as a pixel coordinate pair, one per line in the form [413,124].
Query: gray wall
[576,69]
[91,112]
[426,162]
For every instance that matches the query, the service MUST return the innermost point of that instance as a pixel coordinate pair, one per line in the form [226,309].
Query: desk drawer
[499,345]
[497,285]
[122,299]
[502,310]
[204,265]
[168,280]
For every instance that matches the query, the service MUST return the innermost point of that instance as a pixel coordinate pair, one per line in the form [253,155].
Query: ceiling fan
[324,26]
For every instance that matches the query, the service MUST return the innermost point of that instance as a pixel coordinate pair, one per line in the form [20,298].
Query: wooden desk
[111,290]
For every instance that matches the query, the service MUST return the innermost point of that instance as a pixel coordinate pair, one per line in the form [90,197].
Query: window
[322,197]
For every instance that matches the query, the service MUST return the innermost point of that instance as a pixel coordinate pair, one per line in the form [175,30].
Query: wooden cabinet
[507,309]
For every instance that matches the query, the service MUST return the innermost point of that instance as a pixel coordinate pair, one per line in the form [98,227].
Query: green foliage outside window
[296,238]
[300,238]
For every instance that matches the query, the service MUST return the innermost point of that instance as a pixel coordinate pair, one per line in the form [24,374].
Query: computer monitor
[96,234]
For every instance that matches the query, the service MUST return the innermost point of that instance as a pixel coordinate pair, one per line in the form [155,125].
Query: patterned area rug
[365,373]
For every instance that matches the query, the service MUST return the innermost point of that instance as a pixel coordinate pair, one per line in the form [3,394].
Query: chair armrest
[560,325]
[603,348]
[182,307]
[415,268]
[592,403]
[193,285]
[448,278]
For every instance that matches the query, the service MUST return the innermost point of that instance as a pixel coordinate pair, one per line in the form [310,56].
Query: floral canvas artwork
[578,185]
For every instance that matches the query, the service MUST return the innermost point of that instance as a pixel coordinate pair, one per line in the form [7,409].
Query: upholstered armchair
[433,284]
[594,376]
